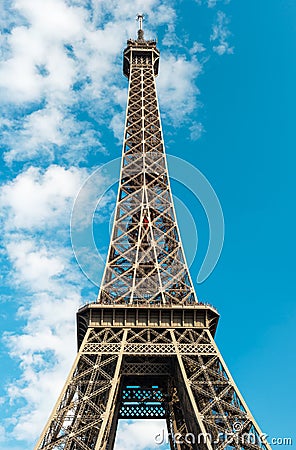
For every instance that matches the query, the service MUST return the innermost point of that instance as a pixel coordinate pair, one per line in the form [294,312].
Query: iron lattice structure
[146,348]
[146,260]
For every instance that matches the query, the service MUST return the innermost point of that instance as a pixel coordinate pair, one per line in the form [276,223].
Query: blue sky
[227,98]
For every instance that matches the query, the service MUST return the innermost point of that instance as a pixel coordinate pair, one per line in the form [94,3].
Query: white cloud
[211,3]
[221,34]
[117,125]
[62,57]
[57,48]
[38,199]
[36,209]
[34,266]
[44,348]
[176,87]
[141,434]
[196,131]
[197,47]
[38,268]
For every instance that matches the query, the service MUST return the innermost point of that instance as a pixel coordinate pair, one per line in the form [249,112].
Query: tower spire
[140,18]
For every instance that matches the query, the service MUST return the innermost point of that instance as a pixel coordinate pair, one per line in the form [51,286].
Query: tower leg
[107,430]
[194,419]
[220,411]
[83,413]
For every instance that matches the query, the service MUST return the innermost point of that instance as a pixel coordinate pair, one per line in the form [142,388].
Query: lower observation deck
[96,315]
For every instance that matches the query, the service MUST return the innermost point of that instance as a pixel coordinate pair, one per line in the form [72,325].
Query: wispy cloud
[177,90]
[221,35]
[35,211]
[49,133]
[196,131]
[60,58]
[196,48]
[212,3]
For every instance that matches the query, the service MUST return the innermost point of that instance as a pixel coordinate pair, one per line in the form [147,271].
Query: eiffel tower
[146,347]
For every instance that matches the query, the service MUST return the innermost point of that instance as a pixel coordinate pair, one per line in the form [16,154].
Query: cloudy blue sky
[227,98]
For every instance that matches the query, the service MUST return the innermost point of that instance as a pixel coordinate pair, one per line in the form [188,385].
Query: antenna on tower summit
[140,18]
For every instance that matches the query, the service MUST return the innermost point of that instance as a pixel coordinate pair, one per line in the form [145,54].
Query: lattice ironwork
[208,400]
[134,362]
[146,262]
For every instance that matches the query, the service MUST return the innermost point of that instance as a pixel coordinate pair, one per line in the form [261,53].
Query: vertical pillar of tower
[196,425]
[83,411]
[106,430]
